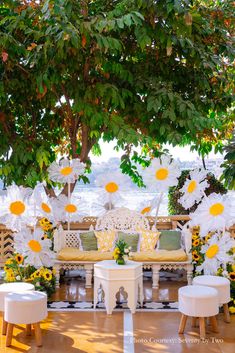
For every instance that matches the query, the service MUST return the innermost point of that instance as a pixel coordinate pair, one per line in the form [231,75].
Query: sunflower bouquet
[121,252]
[17,271]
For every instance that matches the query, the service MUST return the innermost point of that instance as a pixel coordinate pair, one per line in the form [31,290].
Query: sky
[183,153]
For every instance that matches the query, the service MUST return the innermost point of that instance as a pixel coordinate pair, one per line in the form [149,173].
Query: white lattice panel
[71,239]
[122,219]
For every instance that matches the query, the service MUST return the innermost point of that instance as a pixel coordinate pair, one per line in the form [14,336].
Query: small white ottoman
[222,285]
[25,308]
[6,288]
[198,301]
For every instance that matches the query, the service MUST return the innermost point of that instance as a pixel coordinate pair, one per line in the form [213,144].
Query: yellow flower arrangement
[195,256]
[116,253]
[16,271]
[45,224]
[232,309]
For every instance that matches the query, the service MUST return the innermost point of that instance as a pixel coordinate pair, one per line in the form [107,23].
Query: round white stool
[198,301]
[222,285]
[25,308]
[6,288]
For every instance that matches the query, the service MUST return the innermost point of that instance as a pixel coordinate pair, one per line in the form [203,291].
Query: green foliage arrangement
[175,208]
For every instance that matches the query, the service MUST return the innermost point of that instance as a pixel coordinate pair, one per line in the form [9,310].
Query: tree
[228,175]
[143,72]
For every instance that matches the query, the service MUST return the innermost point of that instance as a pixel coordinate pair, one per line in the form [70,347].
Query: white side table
[111,277]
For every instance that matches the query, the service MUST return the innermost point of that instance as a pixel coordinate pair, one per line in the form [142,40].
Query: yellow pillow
[105,240]
[148,240]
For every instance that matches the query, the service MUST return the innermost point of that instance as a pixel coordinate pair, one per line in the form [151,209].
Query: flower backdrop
[24,209]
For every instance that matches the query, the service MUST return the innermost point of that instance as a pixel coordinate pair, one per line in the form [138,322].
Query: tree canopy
[143,72]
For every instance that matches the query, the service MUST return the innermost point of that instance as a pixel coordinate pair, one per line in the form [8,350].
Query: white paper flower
[112,182]
[68,210]
[161,174]
[213,214]
[66,171]
[15,210]
[193,189]
[147,207]
[43,203]
[215,251]
[34,247]
[105,203]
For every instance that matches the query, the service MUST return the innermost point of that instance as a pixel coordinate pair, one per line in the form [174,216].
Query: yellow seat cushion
[74,254]
[105,240]
[148,240]
[160,256]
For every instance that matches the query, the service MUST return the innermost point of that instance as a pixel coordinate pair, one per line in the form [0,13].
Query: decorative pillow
[170,240]
[105,240]
[132,240]
[88,241]
[148,240]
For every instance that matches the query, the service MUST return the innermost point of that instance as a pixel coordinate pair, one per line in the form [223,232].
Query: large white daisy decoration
[161,174]
[194,188]
[43,204]
[216,253]
[35,247]
[15,209]
[147,207]
[214,213]
[66,171]
[68,209]
[112,183]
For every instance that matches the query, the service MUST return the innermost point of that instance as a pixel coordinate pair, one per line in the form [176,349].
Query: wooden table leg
[28,330]
[182,323]
[38,334]
[4,327]
[214,324]
[202,327]
[226,313]
[9,334]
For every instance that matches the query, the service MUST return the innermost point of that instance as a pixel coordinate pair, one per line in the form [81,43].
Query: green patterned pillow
[88,241]
[132,240]
[170,240]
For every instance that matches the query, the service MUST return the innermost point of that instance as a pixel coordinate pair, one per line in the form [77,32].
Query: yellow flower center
[111,187]
[66,171]
[17,208]
[216,209]
[162,174]
[45,207]
[146,210]
[192,186]
[34,245]
[212,251]
[70,208]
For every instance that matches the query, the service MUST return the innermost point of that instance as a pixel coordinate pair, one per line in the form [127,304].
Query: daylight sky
[183,153]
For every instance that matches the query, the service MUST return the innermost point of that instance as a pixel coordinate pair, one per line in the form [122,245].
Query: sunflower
[19,259]
[47,275]
[45,224]
[232,276]
[116,253]
[195,237]
[196,256]
[9,261]
[207,237]
[196,242]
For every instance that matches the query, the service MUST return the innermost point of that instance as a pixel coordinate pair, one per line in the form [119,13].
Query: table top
[112,265]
